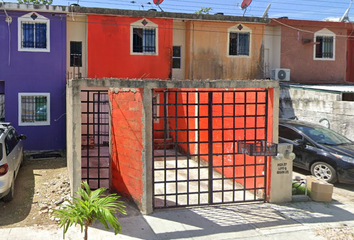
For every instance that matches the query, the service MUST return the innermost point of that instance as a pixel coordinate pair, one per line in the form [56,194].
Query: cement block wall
[140,99]
[127,142]
[318,106]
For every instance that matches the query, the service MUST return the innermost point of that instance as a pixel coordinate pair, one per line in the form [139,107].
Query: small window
[34,109]
[144,40]
[239,44]
[176,58]
[324,47]
[33,33]
[75,54]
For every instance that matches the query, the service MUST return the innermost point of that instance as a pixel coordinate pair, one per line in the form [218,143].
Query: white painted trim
[326,33]
[149,25]
[39,19]
[44,123]
[234,29]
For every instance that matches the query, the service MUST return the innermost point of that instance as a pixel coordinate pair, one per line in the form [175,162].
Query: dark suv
[326,153]
[11,155]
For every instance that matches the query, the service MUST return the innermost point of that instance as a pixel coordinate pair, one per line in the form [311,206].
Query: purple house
[32,73]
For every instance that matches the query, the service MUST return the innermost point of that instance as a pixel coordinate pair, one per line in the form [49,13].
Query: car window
[324,135]
[10,141]
[288,133]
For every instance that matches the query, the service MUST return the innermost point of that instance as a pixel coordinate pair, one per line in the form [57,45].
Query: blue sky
[300,9]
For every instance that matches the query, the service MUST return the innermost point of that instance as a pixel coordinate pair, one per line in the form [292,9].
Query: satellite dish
[158,2]
[245,4]
[265,14]
[345,16]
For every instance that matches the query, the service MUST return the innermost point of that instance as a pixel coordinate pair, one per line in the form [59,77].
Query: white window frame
[235,29]
[27,19]
[42,123]
[324,33]
[149,25]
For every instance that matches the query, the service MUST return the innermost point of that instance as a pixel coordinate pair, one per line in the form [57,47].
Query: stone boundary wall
[318,106]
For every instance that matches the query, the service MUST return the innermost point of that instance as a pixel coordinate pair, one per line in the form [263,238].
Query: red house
[129,47]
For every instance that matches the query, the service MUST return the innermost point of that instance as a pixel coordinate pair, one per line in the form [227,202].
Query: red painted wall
[127,143]
[350,58]
[298,56]
[109,49]
[255,173]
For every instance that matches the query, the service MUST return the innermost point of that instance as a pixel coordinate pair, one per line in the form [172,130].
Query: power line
[275,11]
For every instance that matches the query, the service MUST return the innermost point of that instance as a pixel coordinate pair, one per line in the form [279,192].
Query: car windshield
[324,135]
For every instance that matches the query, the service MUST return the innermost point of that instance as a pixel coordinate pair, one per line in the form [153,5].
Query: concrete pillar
[73,134]
[281,174]
[147,154]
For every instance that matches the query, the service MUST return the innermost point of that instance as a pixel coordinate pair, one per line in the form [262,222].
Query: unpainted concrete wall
[322,107]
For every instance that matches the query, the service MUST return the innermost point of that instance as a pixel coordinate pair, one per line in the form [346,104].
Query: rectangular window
[144,40]
[34,35]
[34,109]
[239,44]
[176,58]
[75,54]
[324,47]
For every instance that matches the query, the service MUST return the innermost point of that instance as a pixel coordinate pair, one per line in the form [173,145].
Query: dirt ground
[41,186]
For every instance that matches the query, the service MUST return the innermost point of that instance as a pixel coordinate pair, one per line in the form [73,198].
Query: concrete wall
[313,105]
[77,32]
[143,127]
[179,39]
[272,49]
[127,142]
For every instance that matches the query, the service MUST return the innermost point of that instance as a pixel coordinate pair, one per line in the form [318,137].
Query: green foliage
[91,206]
[299,188]
[43,2]
[204,10]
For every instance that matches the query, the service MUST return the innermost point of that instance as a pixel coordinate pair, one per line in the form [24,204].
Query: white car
[11,155]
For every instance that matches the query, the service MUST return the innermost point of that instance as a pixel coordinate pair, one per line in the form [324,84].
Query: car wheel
[324,171]
[11,194]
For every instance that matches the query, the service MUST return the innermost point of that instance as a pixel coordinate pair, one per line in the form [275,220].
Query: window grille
[34,109]
[75,54]
[239,44]
[324,47]
[34,35]
[144,40]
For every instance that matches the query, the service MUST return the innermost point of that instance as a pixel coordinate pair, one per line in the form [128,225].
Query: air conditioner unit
[281,74]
